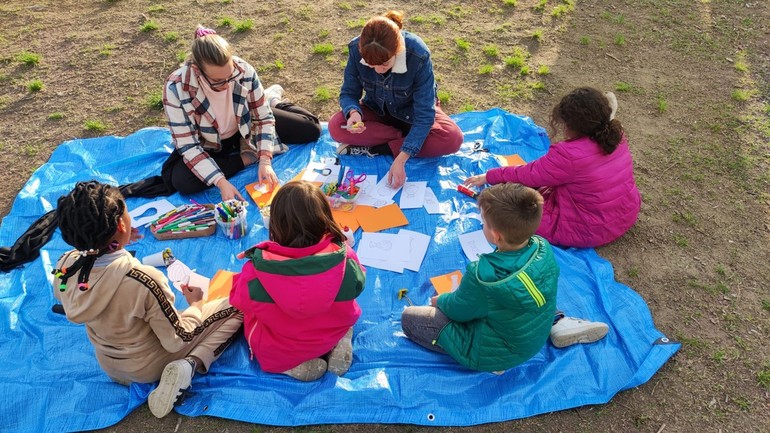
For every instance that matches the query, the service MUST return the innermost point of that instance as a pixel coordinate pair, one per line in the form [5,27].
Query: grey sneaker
[613,103]
[348,149]
[308,370]
[341,356]
[176,377]
[274,94]
[570,330]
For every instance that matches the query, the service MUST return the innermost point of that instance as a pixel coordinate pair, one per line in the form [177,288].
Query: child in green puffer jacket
[503,311]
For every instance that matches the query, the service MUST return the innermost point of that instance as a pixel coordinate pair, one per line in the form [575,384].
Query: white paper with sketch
[418,246]
[432,205]
[383,251]
[474,244]
[413,195]
[158,208]
[367,196]
[320,172]
[179,274]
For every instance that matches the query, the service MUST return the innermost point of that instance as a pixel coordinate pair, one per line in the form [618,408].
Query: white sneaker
[347,149]
[613,103]
[341,356]
[308,370]
[274,94]
[570,330]
[176,378]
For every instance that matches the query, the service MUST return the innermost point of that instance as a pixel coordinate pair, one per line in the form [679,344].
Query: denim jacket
[410,94]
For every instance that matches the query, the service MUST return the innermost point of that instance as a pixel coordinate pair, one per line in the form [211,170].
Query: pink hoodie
[297,303]
[591,198]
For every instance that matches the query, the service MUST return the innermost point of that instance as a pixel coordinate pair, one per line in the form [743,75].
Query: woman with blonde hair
[222,120]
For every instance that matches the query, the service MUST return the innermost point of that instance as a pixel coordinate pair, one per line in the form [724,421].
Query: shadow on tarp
[50,380]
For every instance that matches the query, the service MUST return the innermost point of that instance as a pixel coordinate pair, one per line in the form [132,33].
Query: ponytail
[608,136]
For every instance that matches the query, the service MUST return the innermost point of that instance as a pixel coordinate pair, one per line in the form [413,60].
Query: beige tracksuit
[131,321]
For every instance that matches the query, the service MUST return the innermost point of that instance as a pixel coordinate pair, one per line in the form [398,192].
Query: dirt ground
[693,83]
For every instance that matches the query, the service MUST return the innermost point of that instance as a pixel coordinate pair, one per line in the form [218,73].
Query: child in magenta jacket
[587,180]
[297,291]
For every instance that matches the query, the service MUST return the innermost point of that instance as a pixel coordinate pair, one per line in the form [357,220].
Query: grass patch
[323,49]
[149,26]
[543,70]
[537,35]
[517,60]
[56,116]
[323,34]
[444,96]
[353,24]
[106,50]
[28,58]
[486,69]
[763,376]
[243,26]
[680,241]
[766,304]
[345,6]
[181,56]
[662,104]
[633,272]
[154,100]
[154,9]
[462,44]
[466,107]
[584,40]
[35,85]
[94,126]
[740,95]
[225,22]
[566,7]
[622,86]
[171,36]
[510,3]
[620,40]
[322,94]
[490,50]
[540,6]
[278,64]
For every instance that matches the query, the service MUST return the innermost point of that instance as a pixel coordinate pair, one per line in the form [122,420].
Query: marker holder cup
[231,218]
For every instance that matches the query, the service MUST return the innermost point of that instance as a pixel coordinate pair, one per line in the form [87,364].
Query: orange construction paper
[374,219]
[345,218]
[220,285]
[511,160]
[262,199]
[443,283]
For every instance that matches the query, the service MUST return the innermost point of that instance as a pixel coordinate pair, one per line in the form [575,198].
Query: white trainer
[274,94]
[176,378]
[571,330]
[347,149]
[613,103]
[341,356]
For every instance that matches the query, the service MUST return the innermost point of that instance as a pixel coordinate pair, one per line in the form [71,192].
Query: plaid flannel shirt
[194,127]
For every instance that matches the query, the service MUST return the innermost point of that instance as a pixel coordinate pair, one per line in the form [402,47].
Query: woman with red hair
[399,114]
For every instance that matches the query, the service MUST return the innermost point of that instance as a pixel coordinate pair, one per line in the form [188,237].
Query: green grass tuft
[444,96]
[149,26]
[94,126]
[28,58]
[171,36]
[154,100]
[486,69]
[490,50]
[543,70]
[35,85]
[56,116]
[322,94]
[323,49]
[621,86]
[243,26]
[462,44]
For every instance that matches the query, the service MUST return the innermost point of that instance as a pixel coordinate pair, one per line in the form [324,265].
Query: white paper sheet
[431,204]
[413,195]
[368,197]
[418,246]
[474,244]
[179,274]
[383,251]
[156,208]
[314,172]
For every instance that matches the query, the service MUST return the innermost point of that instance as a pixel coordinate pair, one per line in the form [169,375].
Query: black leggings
[293,125]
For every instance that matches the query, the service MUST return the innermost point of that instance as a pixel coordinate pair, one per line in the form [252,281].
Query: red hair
[381,38]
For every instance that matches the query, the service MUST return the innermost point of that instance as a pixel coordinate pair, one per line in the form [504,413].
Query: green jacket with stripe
[502,312]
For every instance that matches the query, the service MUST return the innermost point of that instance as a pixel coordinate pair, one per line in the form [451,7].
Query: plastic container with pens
[231,218]
[342,195]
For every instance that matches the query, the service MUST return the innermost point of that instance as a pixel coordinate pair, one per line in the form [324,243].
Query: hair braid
[88,219]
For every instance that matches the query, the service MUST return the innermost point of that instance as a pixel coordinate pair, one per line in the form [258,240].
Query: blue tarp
[50,380]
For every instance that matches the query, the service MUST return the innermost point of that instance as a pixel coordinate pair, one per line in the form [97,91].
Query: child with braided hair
[128,308]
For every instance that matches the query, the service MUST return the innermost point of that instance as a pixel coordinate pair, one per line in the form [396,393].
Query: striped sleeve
[262,121]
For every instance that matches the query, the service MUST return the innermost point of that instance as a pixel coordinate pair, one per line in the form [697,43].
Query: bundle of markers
[184,219]
[230,215]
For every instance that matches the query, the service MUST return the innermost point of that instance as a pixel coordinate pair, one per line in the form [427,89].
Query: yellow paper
[445,284]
